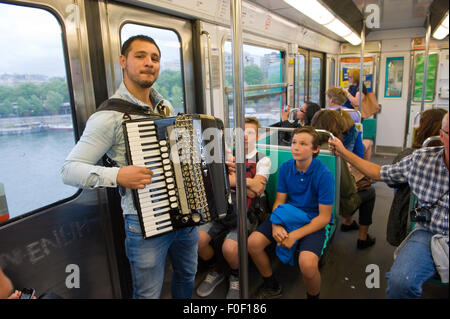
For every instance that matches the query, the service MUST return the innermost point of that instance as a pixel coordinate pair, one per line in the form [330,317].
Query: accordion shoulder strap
[127,108]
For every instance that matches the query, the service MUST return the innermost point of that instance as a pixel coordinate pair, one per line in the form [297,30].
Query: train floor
[344,270]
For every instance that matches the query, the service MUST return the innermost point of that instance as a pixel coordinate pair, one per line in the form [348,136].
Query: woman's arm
[369,169]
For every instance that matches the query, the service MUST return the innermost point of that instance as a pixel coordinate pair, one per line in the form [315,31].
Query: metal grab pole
[361,69]
[241,193]
[425,63]
[211,93]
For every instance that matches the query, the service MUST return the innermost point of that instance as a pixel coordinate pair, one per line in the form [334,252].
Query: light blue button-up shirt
[104,135]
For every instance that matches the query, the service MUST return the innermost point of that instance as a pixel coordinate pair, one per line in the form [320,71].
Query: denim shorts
[215,229]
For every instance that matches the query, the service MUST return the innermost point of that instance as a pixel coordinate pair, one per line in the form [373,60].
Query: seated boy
[305,186]
[257,172]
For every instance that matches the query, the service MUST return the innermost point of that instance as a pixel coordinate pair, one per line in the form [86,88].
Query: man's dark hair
[127,44]
[311,131]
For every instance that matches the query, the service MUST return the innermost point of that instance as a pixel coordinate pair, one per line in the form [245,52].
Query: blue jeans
[147,258]
[413,266]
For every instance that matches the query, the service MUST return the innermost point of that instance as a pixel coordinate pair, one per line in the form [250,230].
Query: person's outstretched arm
[369,169]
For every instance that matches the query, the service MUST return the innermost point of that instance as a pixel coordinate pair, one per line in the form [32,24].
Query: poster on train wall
[431,77]
[352,62]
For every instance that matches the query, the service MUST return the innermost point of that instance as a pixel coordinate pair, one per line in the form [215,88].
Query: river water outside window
[36,130]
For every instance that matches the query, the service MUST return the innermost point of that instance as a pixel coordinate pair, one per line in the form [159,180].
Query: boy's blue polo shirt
[309,189]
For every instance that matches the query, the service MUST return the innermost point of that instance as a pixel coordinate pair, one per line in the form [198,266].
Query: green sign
[431,77]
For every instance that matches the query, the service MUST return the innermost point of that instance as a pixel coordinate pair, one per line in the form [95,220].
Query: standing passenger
[352,92]
[305,195]
[140,61]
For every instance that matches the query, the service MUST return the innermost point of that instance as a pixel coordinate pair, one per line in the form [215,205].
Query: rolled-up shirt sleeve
[397,173]
[80,168]
[263,167]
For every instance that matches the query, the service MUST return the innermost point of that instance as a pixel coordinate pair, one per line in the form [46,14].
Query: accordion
[190,184]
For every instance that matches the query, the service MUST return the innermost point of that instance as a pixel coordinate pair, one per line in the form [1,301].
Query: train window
[315,79]
[264,92]
[394,77]
[309,77]
[36,130]
[170,79]
[431,77]
[300,79]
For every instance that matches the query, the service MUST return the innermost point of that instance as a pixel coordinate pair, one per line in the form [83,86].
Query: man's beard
[145,84]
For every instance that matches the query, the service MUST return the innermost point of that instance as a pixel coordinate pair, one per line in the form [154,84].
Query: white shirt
[263,164]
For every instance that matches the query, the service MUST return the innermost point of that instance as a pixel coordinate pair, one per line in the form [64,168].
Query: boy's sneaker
[212,279]
[233,290]
[268,293]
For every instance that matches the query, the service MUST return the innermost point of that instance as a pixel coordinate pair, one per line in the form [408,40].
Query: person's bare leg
[309,266]
[205,250]
[257,242]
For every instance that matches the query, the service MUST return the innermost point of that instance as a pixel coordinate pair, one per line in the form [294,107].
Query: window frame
[122,25]
[227,90]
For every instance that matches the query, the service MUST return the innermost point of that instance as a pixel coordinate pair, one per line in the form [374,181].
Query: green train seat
[370,129]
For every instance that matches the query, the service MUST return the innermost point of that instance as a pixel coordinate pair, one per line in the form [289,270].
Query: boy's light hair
[252,120]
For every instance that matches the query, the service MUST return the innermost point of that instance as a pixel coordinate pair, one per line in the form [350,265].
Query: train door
[310,77]
[436,92]
[175,82]
[417,86]
[53,237]
[393,96]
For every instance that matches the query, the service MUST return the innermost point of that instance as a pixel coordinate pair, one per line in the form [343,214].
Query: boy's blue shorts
[312,242]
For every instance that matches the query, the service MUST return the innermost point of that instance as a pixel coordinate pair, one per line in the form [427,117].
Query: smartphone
[26,293]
